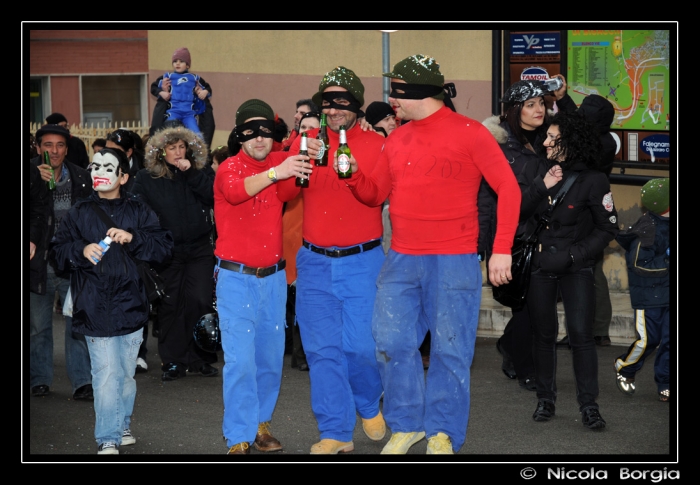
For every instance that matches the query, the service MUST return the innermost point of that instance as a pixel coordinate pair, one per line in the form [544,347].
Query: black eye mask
[354,105]
[255,128]
[414,91]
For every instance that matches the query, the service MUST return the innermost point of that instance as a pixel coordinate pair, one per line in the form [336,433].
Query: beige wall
[283,66]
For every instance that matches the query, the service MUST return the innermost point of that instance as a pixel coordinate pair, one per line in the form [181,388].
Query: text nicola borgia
[655,476]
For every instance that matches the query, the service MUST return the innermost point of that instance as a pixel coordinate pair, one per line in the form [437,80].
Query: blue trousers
[113,367]
[440,293]
[187,118]
[252,321]
[335,297]
[41,339]
[652,327]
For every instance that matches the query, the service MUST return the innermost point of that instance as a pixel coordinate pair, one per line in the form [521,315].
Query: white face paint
[104,172]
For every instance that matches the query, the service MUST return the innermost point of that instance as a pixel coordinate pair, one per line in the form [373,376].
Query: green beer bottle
[322,157]
[52,181]
[300,181]
[343,156]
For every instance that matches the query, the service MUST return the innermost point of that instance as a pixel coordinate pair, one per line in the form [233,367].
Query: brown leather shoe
[264,441]
[239,449]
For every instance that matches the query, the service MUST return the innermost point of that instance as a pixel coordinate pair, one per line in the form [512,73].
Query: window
[113,98]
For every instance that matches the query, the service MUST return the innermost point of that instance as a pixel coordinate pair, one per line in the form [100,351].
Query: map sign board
[628,67]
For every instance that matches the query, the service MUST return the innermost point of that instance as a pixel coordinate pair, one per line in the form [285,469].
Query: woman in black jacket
[518,131]
[580,227]
[178,184]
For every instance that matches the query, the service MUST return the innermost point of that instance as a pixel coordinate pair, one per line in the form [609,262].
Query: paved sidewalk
[181,421]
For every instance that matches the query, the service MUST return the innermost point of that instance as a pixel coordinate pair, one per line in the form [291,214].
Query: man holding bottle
[431,169]
[71,184]
[337,266]
[250,277]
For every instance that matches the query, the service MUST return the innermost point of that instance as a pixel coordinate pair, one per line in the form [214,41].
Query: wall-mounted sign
[535,46]
[647,147]
[537,73]
[630,68]
[656,146]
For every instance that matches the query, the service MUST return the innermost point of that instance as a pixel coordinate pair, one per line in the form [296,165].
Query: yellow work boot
[401,442]
[439,444]
[239,449]
[331,447]
[374,428]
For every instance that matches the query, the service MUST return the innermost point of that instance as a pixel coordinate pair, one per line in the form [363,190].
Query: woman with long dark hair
[581,226]
[520,129]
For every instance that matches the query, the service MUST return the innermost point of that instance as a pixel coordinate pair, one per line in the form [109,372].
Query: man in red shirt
[337,268]
[251,289]
[303,106]
[431,169]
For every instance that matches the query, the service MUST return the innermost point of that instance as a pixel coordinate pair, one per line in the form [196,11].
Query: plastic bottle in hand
[104,244]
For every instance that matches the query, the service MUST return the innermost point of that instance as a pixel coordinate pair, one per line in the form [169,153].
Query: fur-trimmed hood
[493,124]
[163,137]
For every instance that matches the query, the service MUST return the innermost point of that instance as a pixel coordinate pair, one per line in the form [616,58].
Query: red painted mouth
[100,181]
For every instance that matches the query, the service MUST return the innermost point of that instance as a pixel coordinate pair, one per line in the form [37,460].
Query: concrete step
[493,317]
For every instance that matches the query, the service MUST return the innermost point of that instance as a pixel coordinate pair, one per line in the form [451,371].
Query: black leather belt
[259,272]
[339,253]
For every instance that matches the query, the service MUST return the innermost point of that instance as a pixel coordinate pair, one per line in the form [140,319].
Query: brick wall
[87,51]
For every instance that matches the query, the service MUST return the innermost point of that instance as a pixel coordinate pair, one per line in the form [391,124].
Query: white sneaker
[141,365]
[108,448]
[128,438]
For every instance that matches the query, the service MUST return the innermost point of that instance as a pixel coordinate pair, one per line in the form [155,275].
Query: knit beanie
[345,78]
[254,108]
[377,111]
[183,54]
[419,69]
[55,118]
[655,195]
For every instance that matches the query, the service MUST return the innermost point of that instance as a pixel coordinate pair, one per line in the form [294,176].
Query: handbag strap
[547,215]
[109,223]
[562,193]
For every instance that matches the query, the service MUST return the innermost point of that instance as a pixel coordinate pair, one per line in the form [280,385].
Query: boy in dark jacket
[647,252]
[110,306]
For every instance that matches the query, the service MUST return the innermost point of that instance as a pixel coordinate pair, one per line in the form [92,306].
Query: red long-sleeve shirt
[431,170]
[249,228]
[332,215]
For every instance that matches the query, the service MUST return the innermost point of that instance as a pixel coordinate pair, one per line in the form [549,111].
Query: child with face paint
[110,306]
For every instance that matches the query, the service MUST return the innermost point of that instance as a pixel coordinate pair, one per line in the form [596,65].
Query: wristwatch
[272,175]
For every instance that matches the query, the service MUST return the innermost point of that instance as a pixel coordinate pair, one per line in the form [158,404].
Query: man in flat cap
[76,147]
[72,183]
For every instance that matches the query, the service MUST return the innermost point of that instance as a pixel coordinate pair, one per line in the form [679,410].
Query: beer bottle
[300,181]
[343,156]
[322,157]
[52,181]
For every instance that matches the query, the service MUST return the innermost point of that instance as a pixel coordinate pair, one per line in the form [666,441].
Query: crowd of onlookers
[283,269]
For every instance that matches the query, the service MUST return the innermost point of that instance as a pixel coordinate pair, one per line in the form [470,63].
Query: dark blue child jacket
[109,299]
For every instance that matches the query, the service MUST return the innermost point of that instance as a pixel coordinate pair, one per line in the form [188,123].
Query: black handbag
[152,281]
[514,293]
